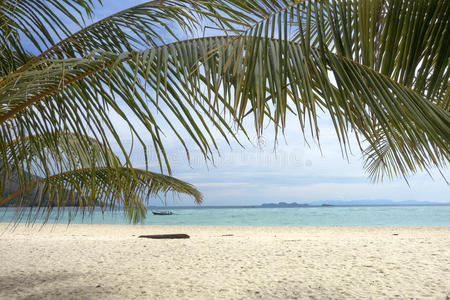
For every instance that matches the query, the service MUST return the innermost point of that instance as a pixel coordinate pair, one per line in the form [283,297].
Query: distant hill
[373,202]
[30,198]
[13,185]
[351,203]
[284,204]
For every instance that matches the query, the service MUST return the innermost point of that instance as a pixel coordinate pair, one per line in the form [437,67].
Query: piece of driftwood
[165,236]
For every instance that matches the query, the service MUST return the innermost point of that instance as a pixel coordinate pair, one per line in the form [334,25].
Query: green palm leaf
[76,176]
[350,103]
[407,41]
[101,187]
[66,89]
[36,23]
[148,24]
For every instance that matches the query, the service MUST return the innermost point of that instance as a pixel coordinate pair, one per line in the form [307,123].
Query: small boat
[162,213]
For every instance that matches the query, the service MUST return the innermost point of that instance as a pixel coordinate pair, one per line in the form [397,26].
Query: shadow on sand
[54,285]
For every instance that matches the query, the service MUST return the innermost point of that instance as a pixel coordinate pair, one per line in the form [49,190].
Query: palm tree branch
[38,21]
[141,20]
[113,60]
[381,100]
[114,186]
[50,153]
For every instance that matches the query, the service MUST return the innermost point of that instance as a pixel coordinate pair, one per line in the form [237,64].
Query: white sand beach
[111,262]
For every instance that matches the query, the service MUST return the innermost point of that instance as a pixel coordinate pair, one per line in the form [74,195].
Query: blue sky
[296,171]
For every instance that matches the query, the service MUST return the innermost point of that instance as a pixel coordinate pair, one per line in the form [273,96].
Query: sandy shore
[110,262]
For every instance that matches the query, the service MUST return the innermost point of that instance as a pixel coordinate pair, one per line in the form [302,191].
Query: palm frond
[88,87]
[50,153]
[41,22]
[101,187]
[57,170]
[383,161]
[239,74]
[145,25]
[356,96]
[406,41]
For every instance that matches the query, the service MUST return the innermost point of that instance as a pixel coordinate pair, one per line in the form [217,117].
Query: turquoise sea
[297,216]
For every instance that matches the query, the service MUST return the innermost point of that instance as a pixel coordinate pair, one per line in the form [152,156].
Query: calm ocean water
[312,216]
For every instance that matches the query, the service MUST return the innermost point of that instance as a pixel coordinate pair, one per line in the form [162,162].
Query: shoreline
[224,262]
[49,224]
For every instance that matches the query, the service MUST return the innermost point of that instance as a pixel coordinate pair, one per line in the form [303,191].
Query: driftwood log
[165,236]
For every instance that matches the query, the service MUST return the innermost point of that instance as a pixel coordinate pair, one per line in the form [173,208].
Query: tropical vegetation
[198,69]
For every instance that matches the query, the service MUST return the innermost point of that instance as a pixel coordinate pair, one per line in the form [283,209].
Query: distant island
[30,198]
[284,204]
[331,203]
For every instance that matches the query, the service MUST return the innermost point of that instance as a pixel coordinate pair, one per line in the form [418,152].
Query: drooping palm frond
[101,187]
[356,96]
[89,88]
[149,24]
[405,41]
[139,25]
[72,175]
[28,27]
[304,85]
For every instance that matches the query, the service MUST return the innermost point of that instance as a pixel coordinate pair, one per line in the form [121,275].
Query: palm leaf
[356,96]
[83,84]
[147,24]
[45,155]
[36,24]
[406,41]
[73,175]
[104,187]
[304,78]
